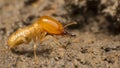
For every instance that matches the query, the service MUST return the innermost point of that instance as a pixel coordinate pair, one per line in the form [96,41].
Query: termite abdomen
[24,35]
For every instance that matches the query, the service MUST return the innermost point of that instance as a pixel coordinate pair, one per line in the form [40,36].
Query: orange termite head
[51,25]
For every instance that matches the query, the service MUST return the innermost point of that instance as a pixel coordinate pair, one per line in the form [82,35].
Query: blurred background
[97,33]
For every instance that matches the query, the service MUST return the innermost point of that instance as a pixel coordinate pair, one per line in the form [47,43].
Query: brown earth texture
[94,41]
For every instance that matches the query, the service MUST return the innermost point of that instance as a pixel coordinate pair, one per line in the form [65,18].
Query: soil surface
[95,40]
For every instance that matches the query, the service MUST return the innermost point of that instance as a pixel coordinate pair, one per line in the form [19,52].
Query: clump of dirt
[95,40]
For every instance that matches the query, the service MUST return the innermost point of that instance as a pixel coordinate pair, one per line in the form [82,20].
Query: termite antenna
[73,23]
[66,32]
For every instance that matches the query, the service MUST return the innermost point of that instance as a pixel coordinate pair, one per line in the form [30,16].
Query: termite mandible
[35,31]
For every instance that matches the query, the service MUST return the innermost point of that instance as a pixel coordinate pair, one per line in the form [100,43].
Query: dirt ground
[96,40]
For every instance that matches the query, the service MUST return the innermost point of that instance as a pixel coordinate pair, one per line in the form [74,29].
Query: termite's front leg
[35,54]
[36,40]
[49,37]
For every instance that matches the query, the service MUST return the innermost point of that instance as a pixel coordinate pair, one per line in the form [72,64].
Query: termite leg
[45,38]
[52,37]
[42,37]
[35,54]
[35,45]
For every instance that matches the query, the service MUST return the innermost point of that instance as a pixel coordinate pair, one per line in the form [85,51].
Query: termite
[36,31]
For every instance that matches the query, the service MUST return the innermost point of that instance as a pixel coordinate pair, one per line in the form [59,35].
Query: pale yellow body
[26,34]
[35,32]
